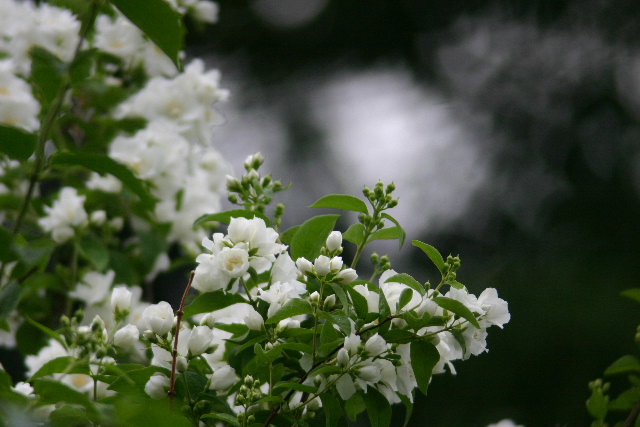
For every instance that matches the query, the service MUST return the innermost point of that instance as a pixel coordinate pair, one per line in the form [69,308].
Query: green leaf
[332,409]
[405,297]
[52,391]
[102,164]
[455,284]
[82,67]
[433,254]
[424,357]
[354,234]
[159,22]
[312,236]
[458,308]
[634,294]
[212,301]
[408,280]
[293,307]
[230,419]
[17,143]
[9,297]
[354,406]
[378,408]
[226,216]
[359,302]
[625,365]
[626,400]
[95,251]
[69,416]
[409,405]
[342,296]
[63,364]
[597,404]
[403,234]
[296,386]
[386,233]
[288,235]
[47,75]
[53,334]
[341,201]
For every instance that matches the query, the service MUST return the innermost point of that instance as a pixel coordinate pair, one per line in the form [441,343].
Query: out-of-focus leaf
[95,251]
[17,143]
[9,297]
[625,365]
[159,21]
[63,364]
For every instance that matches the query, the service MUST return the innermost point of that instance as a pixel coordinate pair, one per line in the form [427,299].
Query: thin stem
[633,416]
[179,313]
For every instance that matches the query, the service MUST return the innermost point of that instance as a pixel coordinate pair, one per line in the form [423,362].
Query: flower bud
[199,340]
[126,337]
[157,386]
[336,263]
[322,265]
[375,346]
[120,301]
[254,320]
[223,378]
[347,275]
[343,357]
[334,241]
[304,266]
[158,318]
[314,298]
[181,363]
[369,373]
[329,302]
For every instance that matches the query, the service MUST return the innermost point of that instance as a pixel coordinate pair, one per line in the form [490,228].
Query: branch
[179,313]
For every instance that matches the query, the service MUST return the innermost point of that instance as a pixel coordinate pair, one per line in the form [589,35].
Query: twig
[633,416]
[179,313]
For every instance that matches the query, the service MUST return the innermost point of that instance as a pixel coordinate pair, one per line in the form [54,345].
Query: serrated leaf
[63,364]
[17,143]
[625,365]
[341,201]
[102,164]
[458,308]
[226,216]
[158,21]
[312,236]
[212,301]
[354,234]
[378,408]
[424,357]
[408,280]
[293,307]
[433,254]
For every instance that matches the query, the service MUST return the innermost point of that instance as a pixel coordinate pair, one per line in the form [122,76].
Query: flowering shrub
[108,179]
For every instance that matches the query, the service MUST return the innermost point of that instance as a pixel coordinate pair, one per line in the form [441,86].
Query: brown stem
[179,313]
[633,416]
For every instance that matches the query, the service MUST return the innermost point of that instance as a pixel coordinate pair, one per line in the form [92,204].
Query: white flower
[375,346]
[126,337]
[322,265]
[304,266]
[233,262]
[254,320]
[209,320]
[199,340]
[66,214]
[352,343]
[98,217]
[505,423]
[334,241]
[345,387]
[336,263]
[205,11]
[23,388]
[158,318]
[107,183]
[347,275]
[120,300]
[94,287]
[157,386]
[475,340]
[255,232]
[369,373]
[18,106]
[223,378]
[496,309]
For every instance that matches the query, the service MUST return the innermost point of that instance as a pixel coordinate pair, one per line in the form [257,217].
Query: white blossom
[120,300]
[223,378]
[254,320]
[347,275]
[157,386]
[199,340]
[126,336]
[322,265]
[66,214]
[334,241]
[158,318]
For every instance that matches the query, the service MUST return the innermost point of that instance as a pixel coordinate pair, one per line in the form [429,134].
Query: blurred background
[511,129]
